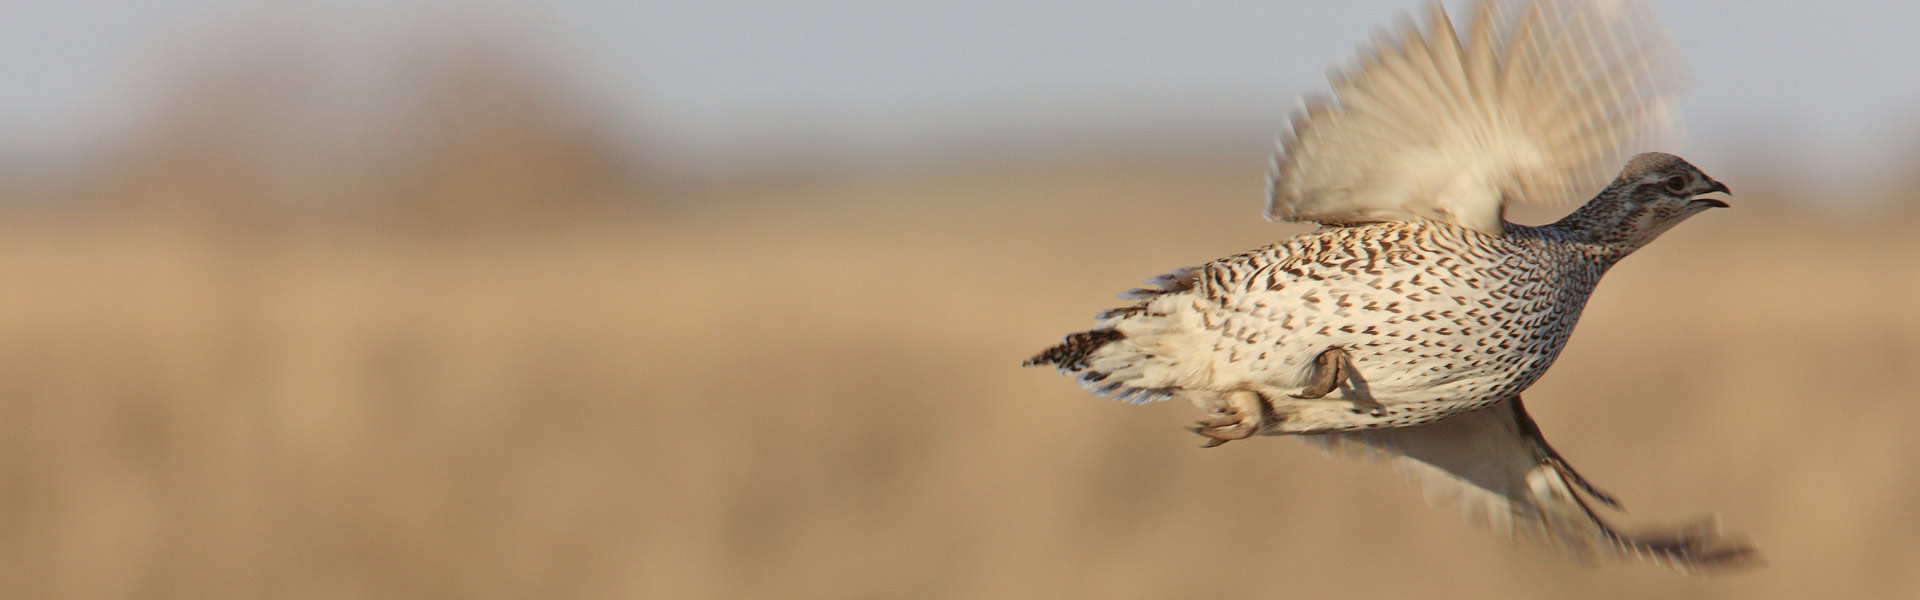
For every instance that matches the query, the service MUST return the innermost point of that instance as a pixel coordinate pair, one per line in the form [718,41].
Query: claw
[1232,424]
[1332,369]
[1329,372]
[1211,442]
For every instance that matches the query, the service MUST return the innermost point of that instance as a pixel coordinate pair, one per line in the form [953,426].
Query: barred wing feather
[1539,103]
[1496,468]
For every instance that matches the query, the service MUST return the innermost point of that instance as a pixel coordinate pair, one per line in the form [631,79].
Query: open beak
[1713,202]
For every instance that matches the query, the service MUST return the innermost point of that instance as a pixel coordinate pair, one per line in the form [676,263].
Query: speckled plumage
[1409,324]
[1443,325]
[1437,319]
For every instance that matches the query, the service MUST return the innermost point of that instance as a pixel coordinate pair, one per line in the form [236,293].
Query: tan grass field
[808,388]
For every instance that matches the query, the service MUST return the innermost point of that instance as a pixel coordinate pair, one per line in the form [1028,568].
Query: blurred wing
[1539,104]
[1493,464]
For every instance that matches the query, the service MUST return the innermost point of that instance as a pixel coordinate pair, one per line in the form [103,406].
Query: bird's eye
[1677,183]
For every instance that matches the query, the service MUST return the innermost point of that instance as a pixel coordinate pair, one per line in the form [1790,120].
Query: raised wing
[1494,465]
[1539,103]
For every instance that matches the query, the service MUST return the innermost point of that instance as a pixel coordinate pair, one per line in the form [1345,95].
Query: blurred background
[725,300]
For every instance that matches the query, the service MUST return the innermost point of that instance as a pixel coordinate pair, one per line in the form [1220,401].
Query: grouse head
[1654,192]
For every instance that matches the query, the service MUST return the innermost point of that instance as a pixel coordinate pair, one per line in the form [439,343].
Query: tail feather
[1131,372]
[1072,353]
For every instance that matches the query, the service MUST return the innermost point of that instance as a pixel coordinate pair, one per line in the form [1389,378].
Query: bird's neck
[1601,227]
[1577,236]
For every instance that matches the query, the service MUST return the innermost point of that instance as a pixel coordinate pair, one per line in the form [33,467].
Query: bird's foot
[1239,418]
[1369,407]
[1331,370]
[1229,426]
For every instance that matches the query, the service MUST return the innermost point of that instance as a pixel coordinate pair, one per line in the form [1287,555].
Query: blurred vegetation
[470,136]
[463,343]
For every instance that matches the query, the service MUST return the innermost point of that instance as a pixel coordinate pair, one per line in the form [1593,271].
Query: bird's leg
[1330,371]
[1239,417]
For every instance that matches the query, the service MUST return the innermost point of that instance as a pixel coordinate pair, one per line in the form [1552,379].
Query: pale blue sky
[718,82]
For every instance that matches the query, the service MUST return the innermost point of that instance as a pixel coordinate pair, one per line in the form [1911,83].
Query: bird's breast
[1427,324]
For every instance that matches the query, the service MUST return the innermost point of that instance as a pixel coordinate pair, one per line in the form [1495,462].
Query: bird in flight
[1410,322]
